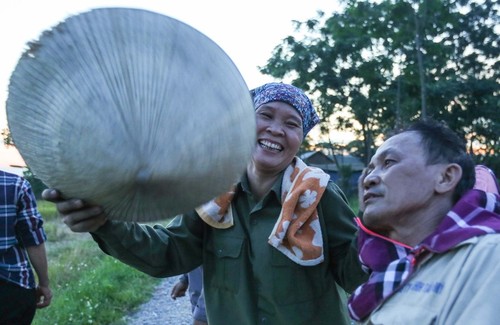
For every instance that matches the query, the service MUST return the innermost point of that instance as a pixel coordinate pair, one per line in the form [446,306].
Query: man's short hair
[443,145]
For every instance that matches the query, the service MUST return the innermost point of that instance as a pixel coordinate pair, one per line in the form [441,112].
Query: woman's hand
[76,214]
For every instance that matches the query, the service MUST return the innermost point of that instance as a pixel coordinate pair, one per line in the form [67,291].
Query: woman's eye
[294,124]
[389,162]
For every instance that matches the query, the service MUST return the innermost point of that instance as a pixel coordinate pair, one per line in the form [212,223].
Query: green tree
[385,63]
[7,137]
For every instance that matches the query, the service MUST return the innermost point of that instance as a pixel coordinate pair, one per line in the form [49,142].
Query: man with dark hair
[442,145]
[429,240]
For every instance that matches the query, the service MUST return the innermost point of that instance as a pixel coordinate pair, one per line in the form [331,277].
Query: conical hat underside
[131,110]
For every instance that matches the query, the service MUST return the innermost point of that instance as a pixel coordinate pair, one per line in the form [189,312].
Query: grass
[47,209]
[88,286]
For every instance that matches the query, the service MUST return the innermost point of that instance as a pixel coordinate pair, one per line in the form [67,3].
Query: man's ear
[449,177]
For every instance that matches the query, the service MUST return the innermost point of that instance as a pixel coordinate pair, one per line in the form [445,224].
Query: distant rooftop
[327,162]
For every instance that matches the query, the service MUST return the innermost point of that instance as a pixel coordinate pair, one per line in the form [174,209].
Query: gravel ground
[161,309]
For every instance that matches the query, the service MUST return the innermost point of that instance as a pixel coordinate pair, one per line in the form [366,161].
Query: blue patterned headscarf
[289,94]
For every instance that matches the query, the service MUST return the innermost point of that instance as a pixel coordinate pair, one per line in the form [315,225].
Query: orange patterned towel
[297,232]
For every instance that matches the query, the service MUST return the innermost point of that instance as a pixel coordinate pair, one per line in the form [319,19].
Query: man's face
[279,135]
[399,186]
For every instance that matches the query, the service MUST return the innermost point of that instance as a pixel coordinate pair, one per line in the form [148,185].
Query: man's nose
[371,179]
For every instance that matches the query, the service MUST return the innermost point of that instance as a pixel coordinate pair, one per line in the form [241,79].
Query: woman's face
[279,135]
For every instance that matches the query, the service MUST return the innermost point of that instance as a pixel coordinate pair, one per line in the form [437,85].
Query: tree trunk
[420,59]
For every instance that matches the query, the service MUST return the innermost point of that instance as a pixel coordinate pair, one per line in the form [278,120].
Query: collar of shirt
[244,185]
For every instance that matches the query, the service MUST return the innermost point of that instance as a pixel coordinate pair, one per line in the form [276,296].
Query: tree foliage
[7,137]
[387,63]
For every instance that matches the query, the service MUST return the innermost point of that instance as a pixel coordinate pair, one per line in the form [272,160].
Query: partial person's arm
[29,231]
[180,287]
[38,259]
[155,250]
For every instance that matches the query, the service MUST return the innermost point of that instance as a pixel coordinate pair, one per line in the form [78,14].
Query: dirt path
[161,309]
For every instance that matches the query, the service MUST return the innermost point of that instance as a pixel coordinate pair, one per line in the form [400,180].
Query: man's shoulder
[443,285]
[6,175]
[489,242]
[465,257]
[12,180]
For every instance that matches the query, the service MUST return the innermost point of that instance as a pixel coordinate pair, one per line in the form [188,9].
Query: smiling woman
[280,245]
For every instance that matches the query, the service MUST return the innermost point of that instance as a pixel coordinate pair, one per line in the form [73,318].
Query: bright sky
[247,31]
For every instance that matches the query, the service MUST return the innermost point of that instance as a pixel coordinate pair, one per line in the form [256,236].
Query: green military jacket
[246,280]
